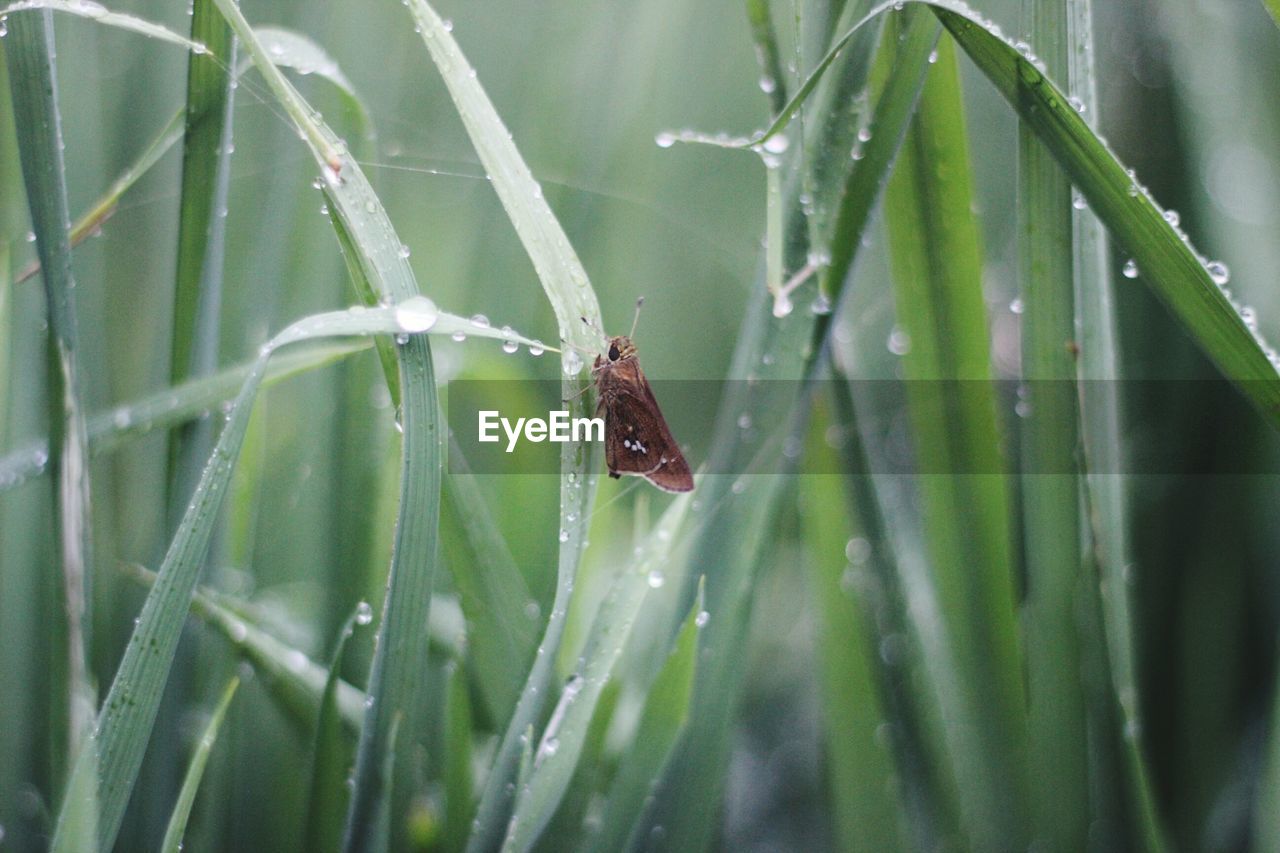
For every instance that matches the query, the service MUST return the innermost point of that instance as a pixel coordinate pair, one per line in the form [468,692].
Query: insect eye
[614,355]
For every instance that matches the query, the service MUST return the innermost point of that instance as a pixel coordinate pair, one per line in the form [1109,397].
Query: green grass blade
[862,798]
[101,210]
[1056,706]
[1183,280]
[99,13]
[572,299]
[773,80]
[556,758]
[297,682]
[334,753]
[1100,430]
[125,721]
[206,172]
[493,592]
[296,51]
[33,78]
[459,786]
[666,709]
[177,828]
[937,272]
[1273,9]
[109,429]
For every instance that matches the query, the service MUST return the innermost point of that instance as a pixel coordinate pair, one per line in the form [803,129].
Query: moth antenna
[635,320]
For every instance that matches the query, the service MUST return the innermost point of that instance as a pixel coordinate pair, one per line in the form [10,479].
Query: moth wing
[638,441]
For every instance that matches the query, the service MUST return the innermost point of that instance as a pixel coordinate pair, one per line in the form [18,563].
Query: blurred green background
[1187,99]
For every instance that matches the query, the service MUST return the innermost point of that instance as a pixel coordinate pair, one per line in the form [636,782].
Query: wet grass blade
[333,755]
[859,790]
[110,429]
[99,13]
[666,709]
[125,721]
[1182,279]
[202,225]
[965,508]
[33,78]
[1052,524]
[572,299]
[772,80]
[177,828]
[556,758]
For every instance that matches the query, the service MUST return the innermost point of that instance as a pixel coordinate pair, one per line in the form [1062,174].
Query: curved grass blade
[966,518]
[33,80]
[125,721]
[666,709]
[572,299]
[401,647]
[1182,279]
[327,802]
[177,828]
[97,12]
[108,430]
[556,758]
[1273,9]
[294,50]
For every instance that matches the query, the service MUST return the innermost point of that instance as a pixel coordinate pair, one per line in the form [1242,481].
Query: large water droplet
[417,314]
[899,341]
[1130,269]
[572,363]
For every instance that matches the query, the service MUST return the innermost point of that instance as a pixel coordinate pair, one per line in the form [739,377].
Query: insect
[637,439]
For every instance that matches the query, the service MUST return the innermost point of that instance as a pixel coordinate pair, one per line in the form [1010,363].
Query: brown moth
[637,439]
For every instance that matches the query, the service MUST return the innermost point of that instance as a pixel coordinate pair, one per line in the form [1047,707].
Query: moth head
[620,348]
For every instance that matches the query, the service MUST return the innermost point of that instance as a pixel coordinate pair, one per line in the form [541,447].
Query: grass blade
[459,803]
[99,13]
[108,430]
[556,758]
[966,518]
[33,78]
[125,721]
[1184,281]
[206,172]
[1056,711]
[859,768]
[327,802]
[493,592]
[772,80]
[572,299]
[177,828]
[666,710]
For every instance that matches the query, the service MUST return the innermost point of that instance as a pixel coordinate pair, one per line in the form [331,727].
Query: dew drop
[768,84]
[665,139]
[656,579]
[782,305]
[1218,272]
[459,336]
[564,536]
[537,348]
[480,321]
[899,341]
[821,305]
[702,618]
[572,365]
[364,613]
[1130,269]
[1171,216]
[1016,305]
[776,144]
[417,314]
